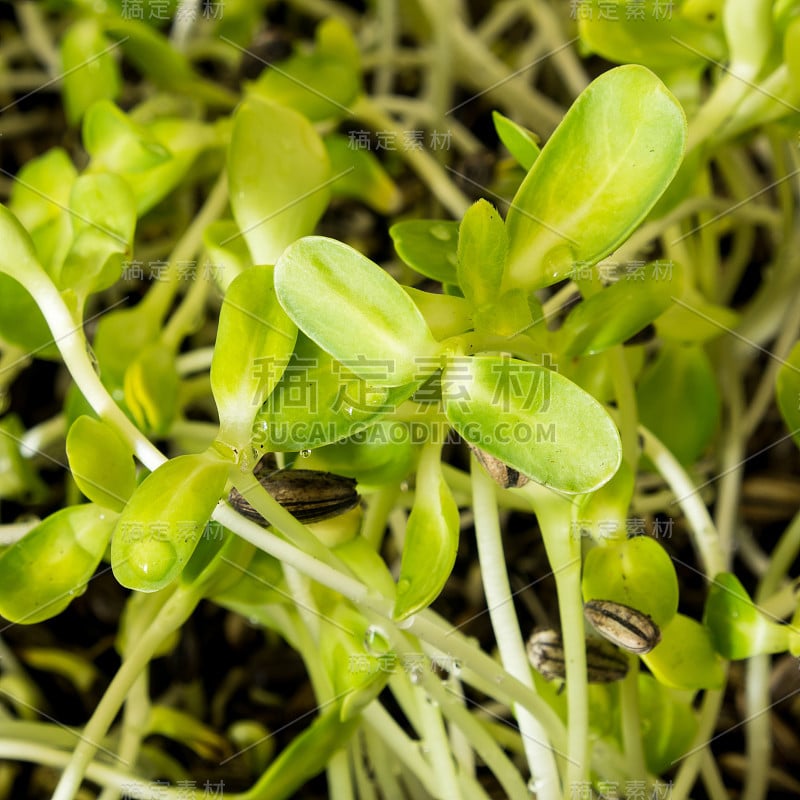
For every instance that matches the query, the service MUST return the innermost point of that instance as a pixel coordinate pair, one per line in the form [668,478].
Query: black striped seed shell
[309,495]
[604,663]
[624,626]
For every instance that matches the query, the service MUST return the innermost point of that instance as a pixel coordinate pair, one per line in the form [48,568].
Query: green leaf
[656,39]
[367,565]
[121,336]
[218,560]
[255,339]
[362,176]
[787,388]
[318,401]
[90,71]
[791,52]
[428,246]
[521,143]
[103,221]
[227,251]
[794,636]
[598,176]
[613,315]
[278,173]
[43,572]
[534,420]
[18,478]
[162,523]
[101,462]
[694,320]
[42,189]
[446,315]
[668,724]
[636,572]
[482,249]
[594,374]
[118,144]
[22,322]
[320,84]
[156,56]
[603,514]
[180,726]
[511,314]
[374,457]
[152,158]
[356,312]
[17,256]
[685,657]
[307,755]
[429,551]
[679,400]
[350,649]
[738,628]
[260,582]
[24,325]
[76,668]
[150,389]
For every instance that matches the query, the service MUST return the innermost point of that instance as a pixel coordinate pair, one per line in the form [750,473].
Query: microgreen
[542,372]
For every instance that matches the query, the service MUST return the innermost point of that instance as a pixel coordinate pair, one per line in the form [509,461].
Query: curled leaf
[101,462]
[163,521]
[431,541]
[43,572]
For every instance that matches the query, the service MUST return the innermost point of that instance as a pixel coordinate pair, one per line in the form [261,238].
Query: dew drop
[405,624]
[535,786]
[375,640]
[455,667]
[305,453]
[247,459]
[415,674]
[150,560]
[441,232]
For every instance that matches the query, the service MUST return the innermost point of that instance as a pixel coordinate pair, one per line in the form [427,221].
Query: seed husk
[604,663]
[310,495]
[624,626]
[500,472]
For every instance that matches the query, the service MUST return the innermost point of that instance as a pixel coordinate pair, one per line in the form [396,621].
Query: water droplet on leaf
[440,232]
[375,640]
[405,624]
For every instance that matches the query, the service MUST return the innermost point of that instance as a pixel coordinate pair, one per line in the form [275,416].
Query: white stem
[687,495]
[541,763]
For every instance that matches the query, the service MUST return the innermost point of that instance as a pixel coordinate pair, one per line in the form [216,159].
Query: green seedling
[738,628]
[636,573]
[588,328]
